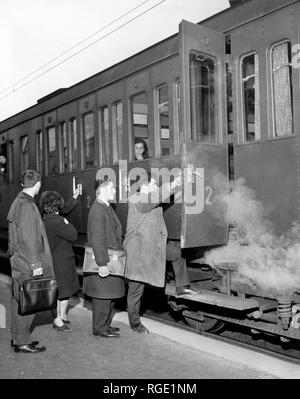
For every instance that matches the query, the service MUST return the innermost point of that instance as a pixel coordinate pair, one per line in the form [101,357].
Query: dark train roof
[241,12]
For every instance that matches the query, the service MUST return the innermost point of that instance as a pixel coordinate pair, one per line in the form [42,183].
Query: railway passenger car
[220,97]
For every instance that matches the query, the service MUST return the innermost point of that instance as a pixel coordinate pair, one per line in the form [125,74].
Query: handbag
[37,294]
[116,265]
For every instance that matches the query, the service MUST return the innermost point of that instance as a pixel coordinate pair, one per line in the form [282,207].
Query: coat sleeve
[98,238]
[69,206]
[151,201]
[30,235]
[66,231]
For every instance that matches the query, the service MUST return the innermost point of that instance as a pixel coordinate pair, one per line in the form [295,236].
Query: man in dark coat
[104,231]
[147,248]
[29,255]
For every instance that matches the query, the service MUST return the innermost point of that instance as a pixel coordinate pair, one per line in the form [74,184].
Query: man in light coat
[147,249]
[29,255]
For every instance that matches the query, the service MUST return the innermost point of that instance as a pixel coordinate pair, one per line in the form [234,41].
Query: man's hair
[29,178]
[51,202]
[102,182]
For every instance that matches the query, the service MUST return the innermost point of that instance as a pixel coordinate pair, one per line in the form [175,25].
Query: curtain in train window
[39,151]
[63,148]
[24,154]
[139,123]
[103,117]
[11,161]
[89,140]
[117,119]
[203,92]
[165,133]
[178,114]
[73,145]
[52,154]
[282,89]
[251,97]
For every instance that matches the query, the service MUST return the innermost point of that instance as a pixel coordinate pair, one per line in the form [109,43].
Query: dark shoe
[185,291]
[29,348]
[66,321]
[140,328]
[108,334]
[113,329]
[63,328]
[34,343]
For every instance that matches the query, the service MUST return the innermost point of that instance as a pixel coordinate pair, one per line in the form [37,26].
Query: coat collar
[48,216]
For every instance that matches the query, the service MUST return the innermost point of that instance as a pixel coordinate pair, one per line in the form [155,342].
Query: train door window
[3,163]
[11,161]
[282,89]
[139,125]
[39,151]
[89,140]
[203,80]
[117,131]
[165,133]
[250,97]
[24,154]
[104,133]
[63,148]
[177,114]
[73,155]
[52,152]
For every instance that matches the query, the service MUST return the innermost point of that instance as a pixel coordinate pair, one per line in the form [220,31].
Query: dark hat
[29,178]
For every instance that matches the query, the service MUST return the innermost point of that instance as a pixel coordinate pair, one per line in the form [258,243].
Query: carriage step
[216,299]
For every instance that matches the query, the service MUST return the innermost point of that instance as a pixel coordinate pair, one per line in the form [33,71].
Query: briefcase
[116,265]
[37,294]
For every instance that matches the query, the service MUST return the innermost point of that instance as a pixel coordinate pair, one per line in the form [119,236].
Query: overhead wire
[79,51]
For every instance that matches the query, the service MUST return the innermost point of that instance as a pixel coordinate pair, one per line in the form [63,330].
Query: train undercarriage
[219,301]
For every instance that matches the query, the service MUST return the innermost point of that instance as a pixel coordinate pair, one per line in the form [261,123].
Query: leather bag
[116,265]
[37,294]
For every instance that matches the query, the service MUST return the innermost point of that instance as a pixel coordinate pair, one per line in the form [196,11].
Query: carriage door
[204,156]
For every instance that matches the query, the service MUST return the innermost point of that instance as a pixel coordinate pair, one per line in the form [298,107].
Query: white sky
[32,32]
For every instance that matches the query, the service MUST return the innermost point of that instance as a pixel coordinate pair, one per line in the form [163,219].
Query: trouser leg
[173,254]
[101,314]
[110,313]
[134,295]
[20,325]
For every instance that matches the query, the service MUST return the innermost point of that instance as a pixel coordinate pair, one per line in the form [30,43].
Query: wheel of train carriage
[209,324]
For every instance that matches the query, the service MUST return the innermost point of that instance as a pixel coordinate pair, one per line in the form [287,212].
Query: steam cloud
[268,263]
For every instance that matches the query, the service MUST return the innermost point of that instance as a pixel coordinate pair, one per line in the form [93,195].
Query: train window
[73,145]
[39,151]
[178,113]
[52,154]
[250,96]
[24,154]
[203,81]
[89,140]
[139,124]
[104,133]
[165,133]
[63,148]
[282,89]
[117,126]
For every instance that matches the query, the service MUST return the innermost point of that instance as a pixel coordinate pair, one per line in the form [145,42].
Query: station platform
[166,353]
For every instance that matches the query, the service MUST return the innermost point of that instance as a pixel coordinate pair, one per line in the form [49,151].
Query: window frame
[83,141]
[242,99]
[48,149]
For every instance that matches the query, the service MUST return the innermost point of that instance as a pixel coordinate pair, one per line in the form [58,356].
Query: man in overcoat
[29,255]
[104,231]
[147,250]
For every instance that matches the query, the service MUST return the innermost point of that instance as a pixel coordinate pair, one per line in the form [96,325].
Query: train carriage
[220,100]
